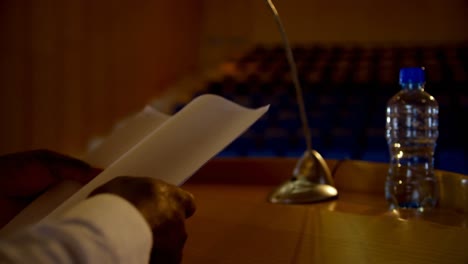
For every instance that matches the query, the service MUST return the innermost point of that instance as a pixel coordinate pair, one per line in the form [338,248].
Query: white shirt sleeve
[102,229]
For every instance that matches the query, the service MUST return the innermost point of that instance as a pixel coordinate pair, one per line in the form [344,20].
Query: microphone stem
[295,78]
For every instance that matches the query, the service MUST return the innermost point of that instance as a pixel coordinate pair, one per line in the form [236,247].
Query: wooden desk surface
[235,223]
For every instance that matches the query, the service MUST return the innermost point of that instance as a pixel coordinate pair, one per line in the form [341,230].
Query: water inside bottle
[411,182]
[412,131]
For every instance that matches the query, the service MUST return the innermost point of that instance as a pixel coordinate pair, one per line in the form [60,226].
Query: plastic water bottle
[411,132]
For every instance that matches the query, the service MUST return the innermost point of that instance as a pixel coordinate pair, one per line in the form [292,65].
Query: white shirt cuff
[120,223]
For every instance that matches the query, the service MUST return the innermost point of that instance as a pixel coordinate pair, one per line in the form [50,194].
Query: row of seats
[356,64]
[345,105]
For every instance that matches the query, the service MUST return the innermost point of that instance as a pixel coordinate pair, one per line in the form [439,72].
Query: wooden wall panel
[14,68]
[71,69]
[231,26]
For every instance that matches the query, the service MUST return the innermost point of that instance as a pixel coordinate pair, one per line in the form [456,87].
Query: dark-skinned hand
[164,206]
[26,175]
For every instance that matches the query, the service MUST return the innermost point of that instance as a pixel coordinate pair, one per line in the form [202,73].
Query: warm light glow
[331,191]
[399,154]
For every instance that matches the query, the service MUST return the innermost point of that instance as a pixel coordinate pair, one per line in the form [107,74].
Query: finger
[168,241]
[183,198]
[28,173]
[66,167]
[187,201]
[23,175]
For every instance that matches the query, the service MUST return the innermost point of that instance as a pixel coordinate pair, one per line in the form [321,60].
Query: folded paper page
[176,147]
[125,135]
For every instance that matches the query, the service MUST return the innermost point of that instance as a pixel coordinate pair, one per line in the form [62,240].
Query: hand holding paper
[24,176]
[168,148]
[150,197]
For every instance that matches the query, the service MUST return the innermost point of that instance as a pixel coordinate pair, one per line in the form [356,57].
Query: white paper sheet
[126,134]
[152,144]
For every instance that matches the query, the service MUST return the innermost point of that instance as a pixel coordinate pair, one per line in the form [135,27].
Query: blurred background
[70,70]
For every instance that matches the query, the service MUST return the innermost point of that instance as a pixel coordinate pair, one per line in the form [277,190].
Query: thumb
[25,174]
[66,167]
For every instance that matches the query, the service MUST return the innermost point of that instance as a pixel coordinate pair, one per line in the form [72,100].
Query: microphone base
[311,183]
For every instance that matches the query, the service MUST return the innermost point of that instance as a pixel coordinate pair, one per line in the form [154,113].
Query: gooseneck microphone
[295,77]
[312,180]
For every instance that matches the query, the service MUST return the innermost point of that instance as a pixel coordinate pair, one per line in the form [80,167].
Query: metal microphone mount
[311,180]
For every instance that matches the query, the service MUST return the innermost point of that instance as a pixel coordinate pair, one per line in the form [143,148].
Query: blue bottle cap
[412,75]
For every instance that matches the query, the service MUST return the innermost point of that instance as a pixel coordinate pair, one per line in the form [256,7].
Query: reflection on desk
[235,223]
